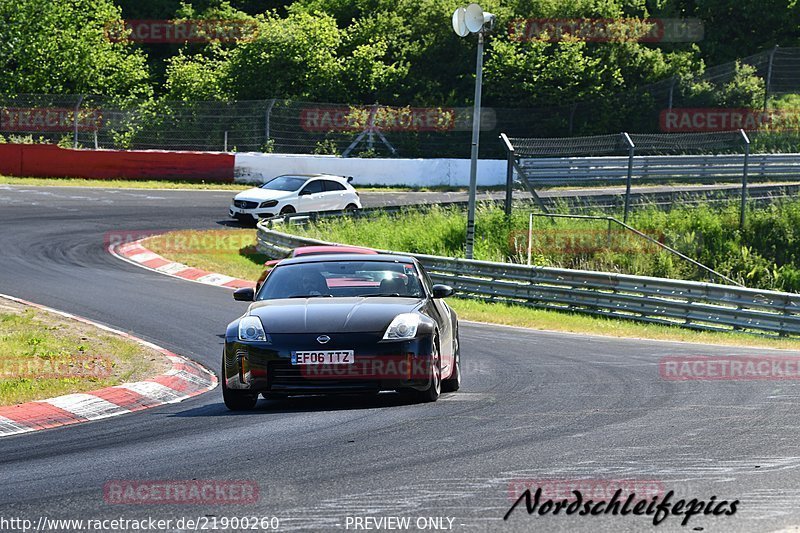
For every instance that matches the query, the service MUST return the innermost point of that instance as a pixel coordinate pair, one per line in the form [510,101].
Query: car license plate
[323,357]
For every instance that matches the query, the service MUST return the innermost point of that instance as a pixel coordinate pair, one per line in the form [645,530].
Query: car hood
[331,315]
[258,194]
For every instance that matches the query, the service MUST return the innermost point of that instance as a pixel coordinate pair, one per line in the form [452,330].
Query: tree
[63,48]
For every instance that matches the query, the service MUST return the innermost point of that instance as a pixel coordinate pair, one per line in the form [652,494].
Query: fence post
[530,237]
[225,149]
[671,91]
[509,173]
[75,121]
[746,140]
[631,148]
[572,116]
[267,115]
[769,76]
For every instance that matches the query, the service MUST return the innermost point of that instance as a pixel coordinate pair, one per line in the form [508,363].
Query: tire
[288,210]
[453,383]
[432,393]
[236,400]
[350,208]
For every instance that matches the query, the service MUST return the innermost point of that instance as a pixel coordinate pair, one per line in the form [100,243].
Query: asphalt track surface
[534,406]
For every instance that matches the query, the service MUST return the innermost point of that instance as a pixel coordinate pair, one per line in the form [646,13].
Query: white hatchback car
[295,193]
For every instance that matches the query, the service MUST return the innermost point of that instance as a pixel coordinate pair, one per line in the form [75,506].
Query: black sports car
[342,323]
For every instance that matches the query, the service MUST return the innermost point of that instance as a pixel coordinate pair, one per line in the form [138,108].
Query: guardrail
[689,304]
[661,168]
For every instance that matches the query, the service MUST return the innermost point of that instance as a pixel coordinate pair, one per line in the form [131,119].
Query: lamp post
[466,20]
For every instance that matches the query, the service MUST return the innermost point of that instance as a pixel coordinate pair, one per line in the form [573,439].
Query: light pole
[466,20]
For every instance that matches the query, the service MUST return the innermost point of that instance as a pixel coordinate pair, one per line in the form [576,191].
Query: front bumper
[262,367]
[247,214]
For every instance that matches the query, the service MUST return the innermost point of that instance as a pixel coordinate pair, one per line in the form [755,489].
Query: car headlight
[403,326]
[268,203]
[251,329]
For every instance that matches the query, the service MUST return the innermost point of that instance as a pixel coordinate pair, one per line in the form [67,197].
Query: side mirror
[304,192]
[244,295]
[442,291]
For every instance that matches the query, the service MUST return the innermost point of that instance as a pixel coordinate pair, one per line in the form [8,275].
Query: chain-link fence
[729,142]
[290,126]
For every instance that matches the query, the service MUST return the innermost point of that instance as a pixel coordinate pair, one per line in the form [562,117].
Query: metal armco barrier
[659,168]
[688,304]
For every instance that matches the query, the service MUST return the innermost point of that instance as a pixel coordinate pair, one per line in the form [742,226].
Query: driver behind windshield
[313,284]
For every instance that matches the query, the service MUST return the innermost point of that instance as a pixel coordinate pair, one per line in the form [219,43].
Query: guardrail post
[509,173]
[631,148]
[746,140]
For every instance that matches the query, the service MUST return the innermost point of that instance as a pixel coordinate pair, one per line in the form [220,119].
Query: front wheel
[288,210]
[453,383]
[431,394]
[236,400]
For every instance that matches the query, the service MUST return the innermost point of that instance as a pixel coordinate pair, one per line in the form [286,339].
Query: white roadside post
[466,20]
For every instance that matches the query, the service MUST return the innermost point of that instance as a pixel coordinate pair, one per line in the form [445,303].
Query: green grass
[45,355]
[526,317]
[231,252]
[171,184]
[205,249]
[764,255]
[119,184]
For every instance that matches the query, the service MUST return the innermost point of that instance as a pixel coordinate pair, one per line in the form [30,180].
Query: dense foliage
[62,48]
[395,52]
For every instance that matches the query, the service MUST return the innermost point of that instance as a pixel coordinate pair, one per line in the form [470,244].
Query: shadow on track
[233,223]
[305,404]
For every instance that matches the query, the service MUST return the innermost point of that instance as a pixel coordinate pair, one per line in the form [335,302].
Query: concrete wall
[257,167]
[45,160]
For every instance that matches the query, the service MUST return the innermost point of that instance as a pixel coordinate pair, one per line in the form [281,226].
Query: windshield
[342,279]
[284,183]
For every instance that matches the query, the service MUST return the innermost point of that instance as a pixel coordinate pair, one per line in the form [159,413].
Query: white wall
[257,167]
